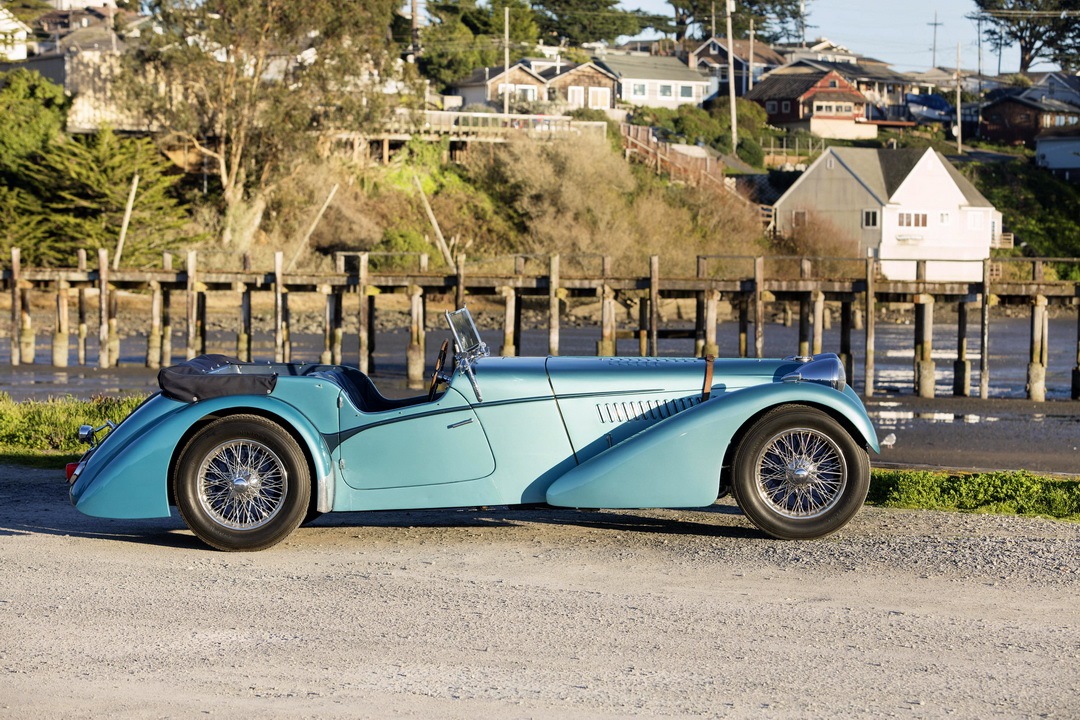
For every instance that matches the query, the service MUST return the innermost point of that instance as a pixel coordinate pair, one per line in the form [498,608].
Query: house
[898,205]
[13,37]
[581,86]
[486,85]
[1017,119]
[1056,86]
[751,62]
[823,104]
[883,87]
[1058,150]
[653,81]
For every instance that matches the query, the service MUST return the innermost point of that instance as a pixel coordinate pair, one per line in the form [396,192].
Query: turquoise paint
[127,475]
[677,462]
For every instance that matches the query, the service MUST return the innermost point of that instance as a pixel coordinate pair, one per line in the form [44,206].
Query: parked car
[249,451]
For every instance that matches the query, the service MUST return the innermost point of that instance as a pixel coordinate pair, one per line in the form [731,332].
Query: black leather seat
[360,390]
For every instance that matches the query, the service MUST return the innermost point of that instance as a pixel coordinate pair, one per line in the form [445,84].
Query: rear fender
[677,462]
[132,480]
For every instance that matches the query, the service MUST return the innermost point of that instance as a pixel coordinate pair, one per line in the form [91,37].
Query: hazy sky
[900,33]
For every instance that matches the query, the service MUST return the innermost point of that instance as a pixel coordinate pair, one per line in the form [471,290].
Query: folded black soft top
[203,378]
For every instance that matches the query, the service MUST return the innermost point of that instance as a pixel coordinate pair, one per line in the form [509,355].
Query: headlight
[824,369]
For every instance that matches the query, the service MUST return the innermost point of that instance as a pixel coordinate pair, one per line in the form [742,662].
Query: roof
[763,53]
[865,71]
[1041,104]
[884,171]
[481,76]
[840,96]
[783,87]
[568,67]
[1069,133]
[648,68]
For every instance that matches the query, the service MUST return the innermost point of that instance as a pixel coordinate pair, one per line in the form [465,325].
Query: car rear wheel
[242,483]
[798,474]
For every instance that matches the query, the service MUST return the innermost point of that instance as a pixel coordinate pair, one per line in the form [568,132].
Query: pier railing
[753,285]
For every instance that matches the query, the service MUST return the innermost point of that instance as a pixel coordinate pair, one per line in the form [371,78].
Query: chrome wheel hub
[242,484]
[801,473]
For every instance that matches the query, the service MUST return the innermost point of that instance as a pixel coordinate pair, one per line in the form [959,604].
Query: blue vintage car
[249,451]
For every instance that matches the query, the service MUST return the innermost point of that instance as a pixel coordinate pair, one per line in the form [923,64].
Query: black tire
[798,474]
[242,483]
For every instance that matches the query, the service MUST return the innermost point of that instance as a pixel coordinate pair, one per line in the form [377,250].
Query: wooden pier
[752,285]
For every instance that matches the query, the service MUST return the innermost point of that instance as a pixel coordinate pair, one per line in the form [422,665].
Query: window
[830,163]
[832,84]
[975,220]
[599,97]
[686,91]
[665,91]
[785,106]
[526,93]
[770,106]
[869,218]
[944,219]
[798,218]
[637,89]
[912,219]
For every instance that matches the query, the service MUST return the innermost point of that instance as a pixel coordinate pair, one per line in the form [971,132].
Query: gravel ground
[535,613]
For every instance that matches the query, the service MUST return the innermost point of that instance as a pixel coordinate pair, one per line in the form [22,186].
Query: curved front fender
[128,475]
[677,462]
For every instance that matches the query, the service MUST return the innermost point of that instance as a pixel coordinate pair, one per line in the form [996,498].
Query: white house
[13,36]
[898,205]
[655,81]
[1058,150]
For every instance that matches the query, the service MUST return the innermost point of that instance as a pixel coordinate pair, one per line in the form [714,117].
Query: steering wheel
[437,375]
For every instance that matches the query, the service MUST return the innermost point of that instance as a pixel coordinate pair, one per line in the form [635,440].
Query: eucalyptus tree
[252,85]
[1042,29]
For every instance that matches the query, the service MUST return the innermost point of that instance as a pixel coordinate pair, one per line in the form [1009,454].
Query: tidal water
[1009,350]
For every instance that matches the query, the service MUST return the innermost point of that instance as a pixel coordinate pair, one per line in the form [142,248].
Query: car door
[427,444]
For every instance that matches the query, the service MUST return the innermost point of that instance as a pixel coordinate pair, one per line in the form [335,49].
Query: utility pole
[750,80]
[731,77]
[506,60]
[959,122]
[936,25]
[712,22]
[415,29]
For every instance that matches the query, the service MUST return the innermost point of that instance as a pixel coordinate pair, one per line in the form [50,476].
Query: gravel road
[535,614]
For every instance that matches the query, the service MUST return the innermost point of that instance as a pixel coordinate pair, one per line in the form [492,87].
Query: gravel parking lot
[535,613]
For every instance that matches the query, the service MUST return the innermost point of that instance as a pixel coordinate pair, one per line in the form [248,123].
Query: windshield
[469,346]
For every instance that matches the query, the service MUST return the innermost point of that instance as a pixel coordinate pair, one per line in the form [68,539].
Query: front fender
[127,476]
[677,462]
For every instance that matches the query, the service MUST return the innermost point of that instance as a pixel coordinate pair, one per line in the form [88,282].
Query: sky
[899,33]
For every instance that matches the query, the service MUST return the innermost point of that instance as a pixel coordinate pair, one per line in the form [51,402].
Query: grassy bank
[42,433]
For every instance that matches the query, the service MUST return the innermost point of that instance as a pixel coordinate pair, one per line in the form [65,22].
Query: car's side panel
[429,444]
[129,478]
[677,462]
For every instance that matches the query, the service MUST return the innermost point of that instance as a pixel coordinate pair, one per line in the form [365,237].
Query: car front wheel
[798,474]
[242,483]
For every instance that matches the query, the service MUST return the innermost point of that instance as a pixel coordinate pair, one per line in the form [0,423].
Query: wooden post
[871,312]
[924,345]
[1076,369]
[327,355]
[414,354]
[819,322]
[338,329]
[554,311]
[845,339]
[711,347]
[60,336]
[103,308]
[286,328]
[80,351]
[759,307]
[243,338]
[804,325]
[606,347]
[114,334]
[961,366]
[984,332]
[153,337]
[1036,374]
[279,307]
[459,293]
[654,305]
[362,315]
[16,308]
[192,305]
[700,322]
[508,348]
[27,341]
[744,324]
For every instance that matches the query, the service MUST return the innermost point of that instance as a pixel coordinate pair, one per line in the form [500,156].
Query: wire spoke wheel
[801,473]
[242,484]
